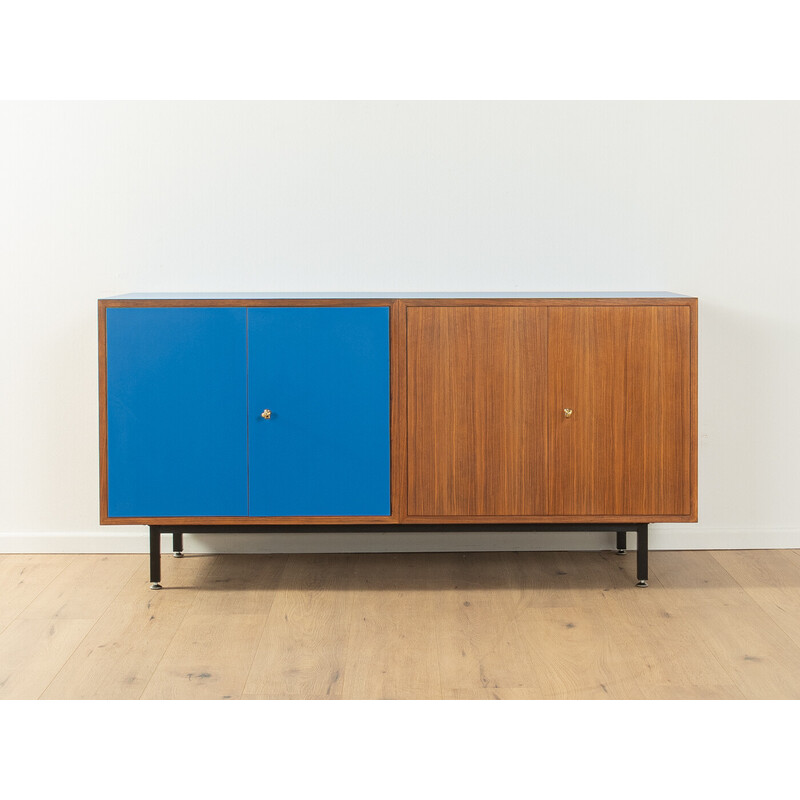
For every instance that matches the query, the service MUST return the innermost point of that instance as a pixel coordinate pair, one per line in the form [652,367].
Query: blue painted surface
[324,374]
[177,399]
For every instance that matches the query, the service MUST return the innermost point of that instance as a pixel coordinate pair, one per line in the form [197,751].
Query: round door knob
[567,412]
[266,413]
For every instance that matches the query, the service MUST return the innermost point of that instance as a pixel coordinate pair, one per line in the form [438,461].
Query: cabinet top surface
[380,295]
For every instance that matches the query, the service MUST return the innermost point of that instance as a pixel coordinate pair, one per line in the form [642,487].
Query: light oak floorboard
[463,626]
[522,694]
[760,658]
[33,650]
[543,580]
[22,578]
[648,624]
[118,656]
[208,659]
[239,584]
[654,692]
[577,647]
[578,653]
[392,646]
[696,577]
[302,650]
[674,691]
[491,694]
[84,588]
[477,608]
[772,579]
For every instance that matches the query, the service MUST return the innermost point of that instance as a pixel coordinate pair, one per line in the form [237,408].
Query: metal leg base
[621,552]
[641,555]
[155,557]
[177,544]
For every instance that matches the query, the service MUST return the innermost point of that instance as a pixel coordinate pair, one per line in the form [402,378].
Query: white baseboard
[662,537]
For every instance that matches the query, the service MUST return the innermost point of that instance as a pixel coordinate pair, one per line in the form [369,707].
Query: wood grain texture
[33,650]
[537,626]
[626,374]
[648,627]
[399,419]
[118,656]
[209,658]
[303,651]
[477,633]
[577,648]
[477,433]
[554,519]
[654,693]
[391,648]
[23,578]
[693,443]
[84,589]
[760,657]
[256,582]
[579,653]
[772,579]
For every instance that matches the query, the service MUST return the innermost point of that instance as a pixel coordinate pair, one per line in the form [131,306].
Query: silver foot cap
[621,552]
[177,555]
[155,586]
[641,583]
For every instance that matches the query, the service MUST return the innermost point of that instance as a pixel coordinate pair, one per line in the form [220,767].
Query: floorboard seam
[278,582]
[760,605]
[94,624]
[178,626]
[34,598]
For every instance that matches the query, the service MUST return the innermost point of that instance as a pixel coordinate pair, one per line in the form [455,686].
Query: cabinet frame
[398,399]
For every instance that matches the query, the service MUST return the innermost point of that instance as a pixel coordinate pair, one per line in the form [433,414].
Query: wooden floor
[722,624]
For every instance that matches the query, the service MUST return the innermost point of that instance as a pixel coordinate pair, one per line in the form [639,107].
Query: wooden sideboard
[232,412]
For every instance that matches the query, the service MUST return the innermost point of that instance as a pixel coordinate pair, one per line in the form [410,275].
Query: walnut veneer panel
[477,405]
[626,374]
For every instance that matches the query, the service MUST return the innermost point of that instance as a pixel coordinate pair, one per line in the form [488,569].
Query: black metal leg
[155,556]
[177,544]
[622,542]
[641,555]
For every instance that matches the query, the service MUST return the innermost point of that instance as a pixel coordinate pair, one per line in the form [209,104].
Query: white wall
[106,198]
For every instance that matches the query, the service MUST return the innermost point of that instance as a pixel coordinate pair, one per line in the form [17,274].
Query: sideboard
[420,412]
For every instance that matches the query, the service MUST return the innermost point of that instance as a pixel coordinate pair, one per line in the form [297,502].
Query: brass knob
[567,412]
[266,413]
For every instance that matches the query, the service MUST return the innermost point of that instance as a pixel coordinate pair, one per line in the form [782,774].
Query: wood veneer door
[477,406]
[625,372]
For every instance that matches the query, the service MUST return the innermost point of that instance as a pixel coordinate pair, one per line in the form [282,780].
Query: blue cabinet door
[177,400]
[323,374]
